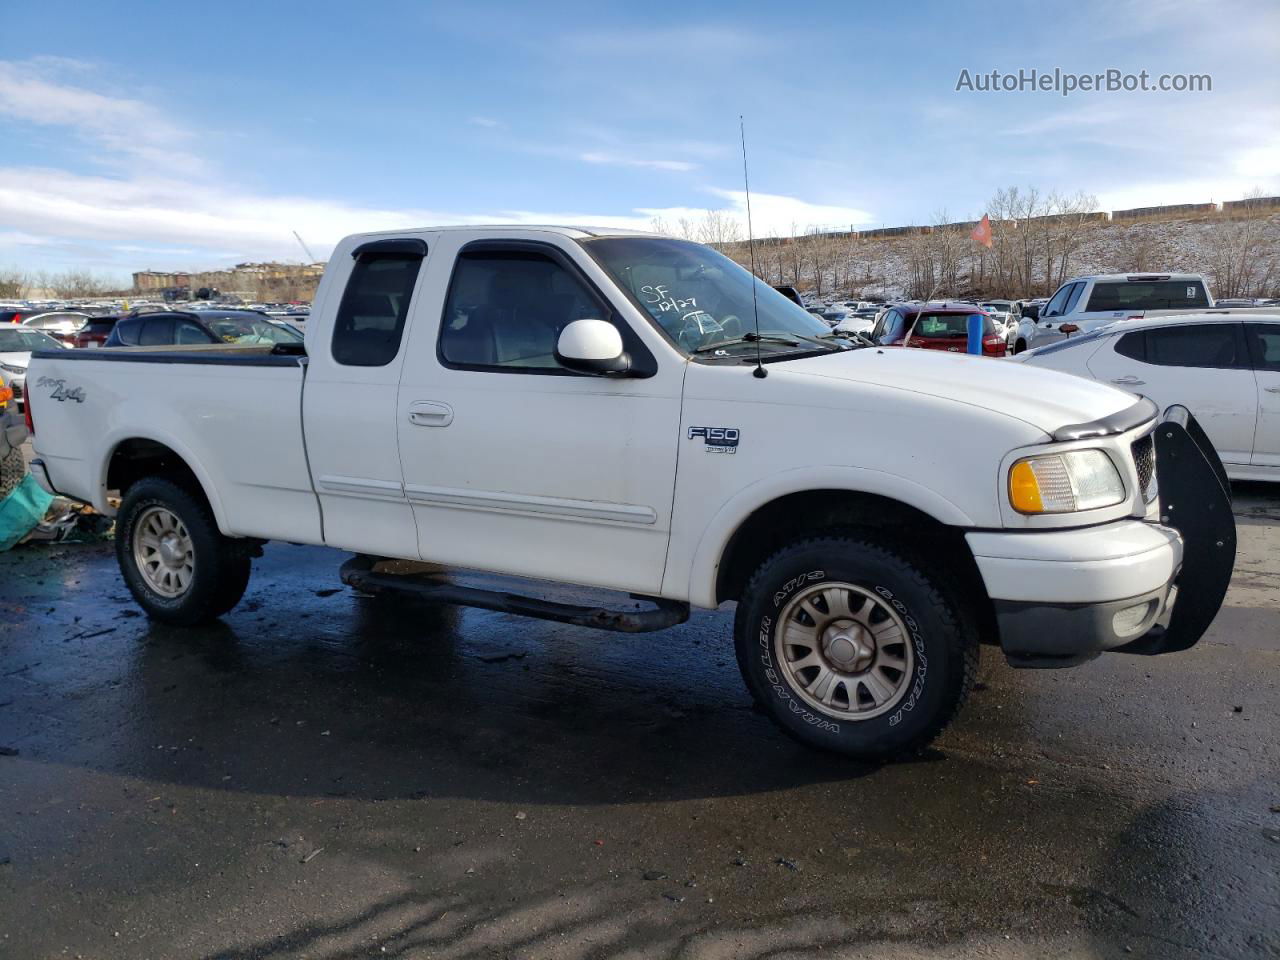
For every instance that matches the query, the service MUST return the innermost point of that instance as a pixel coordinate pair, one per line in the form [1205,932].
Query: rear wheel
[176,563]
[1020,346]
[853,647]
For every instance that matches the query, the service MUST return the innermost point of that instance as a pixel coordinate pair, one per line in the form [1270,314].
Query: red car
[934,327]
[95,331]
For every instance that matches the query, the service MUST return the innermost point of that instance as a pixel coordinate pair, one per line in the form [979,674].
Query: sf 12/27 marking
[717,439]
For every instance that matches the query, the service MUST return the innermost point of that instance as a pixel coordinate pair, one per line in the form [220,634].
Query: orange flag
[982,232]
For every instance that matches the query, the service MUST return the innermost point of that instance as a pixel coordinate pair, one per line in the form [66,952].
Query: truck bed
[222,409]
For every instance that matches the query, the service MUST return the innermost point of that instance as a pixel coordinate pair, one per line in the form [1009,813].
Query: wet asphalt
[333,776]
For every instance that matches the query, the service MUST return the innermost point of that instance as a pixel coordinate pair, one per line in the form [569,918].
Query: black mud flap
[1195,499]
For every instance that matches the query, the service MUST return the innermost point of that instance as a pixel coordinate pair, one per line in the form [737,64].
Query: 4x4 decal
[60,391]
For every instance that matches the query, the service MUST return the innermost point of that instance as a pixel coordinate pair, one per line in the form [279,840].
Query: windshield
[17,340]
[701,297]
[248,330]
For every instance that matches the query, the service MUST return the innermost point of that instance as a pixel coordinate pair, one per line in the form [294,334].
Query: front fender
[704,565]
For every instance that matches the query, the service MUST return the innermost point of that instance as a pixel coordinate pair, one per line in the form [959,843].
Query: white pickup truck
[604,409]
[1084,303]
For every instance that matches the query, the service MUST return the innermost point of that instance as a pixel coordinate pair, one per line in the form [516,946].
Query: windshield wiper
[747,338]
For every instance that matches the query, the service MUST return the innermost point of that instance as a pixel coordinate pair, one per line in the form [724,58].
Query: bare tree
[1242,256]
[13,282]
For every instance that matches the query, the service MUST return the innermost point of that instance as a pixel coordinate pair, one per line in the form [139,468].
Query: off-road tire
[941,633]
[221,564]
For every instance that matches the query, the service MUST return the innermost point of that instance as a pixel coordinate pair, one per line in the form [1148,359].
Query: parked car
[517,400]
[245,327]
[95,331]
[14,314]
[1084,303]
[1001,311]
[860,322]
[791,293]
[934,327]
[1225,369]
[59,325]
[16,345]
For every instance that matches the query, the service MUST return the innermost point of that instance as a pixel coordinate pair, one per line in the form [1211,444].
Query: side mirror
[592,346]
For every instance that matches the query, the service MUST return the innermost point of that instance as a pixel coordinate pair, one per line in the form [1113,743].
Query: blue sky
[155,135]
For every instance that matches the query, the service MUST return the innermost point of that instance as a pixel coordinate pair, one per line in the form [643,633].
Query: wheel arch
[788,517]
[131,458]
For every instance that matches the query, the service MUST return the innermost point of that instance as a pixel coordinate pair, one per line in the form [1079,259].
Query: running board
[358,572]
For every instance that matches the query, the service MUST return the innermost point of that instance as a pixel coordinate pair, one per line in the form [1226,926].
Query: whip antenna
[760,371]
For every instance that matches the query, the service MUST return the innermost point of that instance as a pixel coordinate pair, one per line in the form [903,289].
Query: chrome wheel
[845,651]
[163,552]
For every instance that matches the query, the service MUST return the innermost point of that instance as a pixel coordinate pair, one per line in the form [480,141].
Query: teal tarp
[21,511]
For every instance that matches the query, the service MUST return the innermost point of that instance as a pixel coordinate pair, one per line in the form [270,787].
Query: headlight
[1065,482]
[12,370]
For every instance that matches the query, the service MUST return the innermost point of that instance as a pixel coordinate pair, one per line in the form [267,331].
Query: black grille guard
[1195,499]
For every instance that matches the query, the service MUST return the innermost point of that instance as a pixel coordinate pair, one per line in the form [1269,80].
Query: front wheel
[852,647]
[176,563]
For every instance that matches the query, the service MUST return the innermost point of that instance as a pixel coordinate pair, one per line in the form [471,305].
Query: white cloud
[615,160]
[126,129]
[160,207]
[478,121]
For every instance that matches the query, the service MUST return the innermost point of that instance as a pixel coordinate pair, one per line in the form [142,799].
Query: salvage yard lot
[326,775]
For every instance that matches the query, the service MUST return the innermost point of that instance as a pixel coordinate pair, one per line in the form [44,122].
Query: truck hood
[1046,399]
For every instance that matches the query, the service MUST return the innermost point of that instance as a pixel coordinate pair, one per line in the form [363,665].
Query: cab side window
[1054,307]
[1074,297]
[506,309]
[371,317]
[1195,345]
[184,331]
[1264,345]
[156,331]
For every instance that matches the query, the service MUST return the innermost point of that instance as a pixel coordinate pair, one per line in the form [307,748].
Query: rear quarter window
[375,304]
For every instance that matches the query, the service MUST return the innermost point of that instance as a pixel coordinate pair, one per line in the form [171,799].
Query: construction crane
[305,249]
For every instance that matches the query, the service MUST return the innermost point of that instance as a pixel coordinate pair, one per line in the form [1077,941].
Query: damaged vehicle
[637,413]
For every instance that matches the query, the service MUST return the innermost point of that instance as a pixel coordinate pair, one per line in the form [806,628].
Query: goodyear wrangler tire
[852,647]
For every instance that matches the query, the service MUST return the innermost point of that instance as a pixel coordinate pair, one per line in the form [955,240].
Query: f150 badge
[60,391]
[716,439]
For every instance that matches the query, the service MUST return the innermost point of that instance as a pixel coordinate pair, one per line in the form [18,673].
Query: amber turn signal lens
[1024,489]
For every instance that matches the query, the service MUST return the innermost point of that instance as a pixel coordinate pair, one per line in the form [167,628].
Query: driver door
[513,463]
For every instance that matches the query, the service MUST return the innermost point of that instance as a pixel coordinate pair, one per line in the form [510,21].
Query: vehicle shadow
[382,699]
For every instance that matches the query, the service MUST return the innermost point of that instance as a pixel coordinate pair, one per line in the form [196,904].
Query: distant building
[256,281]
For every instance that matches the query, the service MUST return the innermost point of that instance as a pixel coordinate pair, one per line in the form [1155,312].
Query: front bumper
[1065,635]
[1063,596]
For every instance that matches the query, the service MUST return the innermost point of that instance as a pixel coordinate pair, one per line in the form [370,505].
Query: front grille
[1144,458]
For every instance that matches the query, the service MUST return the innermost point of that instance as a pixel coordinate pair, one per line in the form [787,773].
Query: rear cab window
[375,304]
[1118,295]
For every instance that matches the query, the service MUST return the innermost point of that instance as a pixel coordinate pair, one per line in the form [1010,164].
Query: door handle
[1129,381]
[1272,389]
[426,413]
